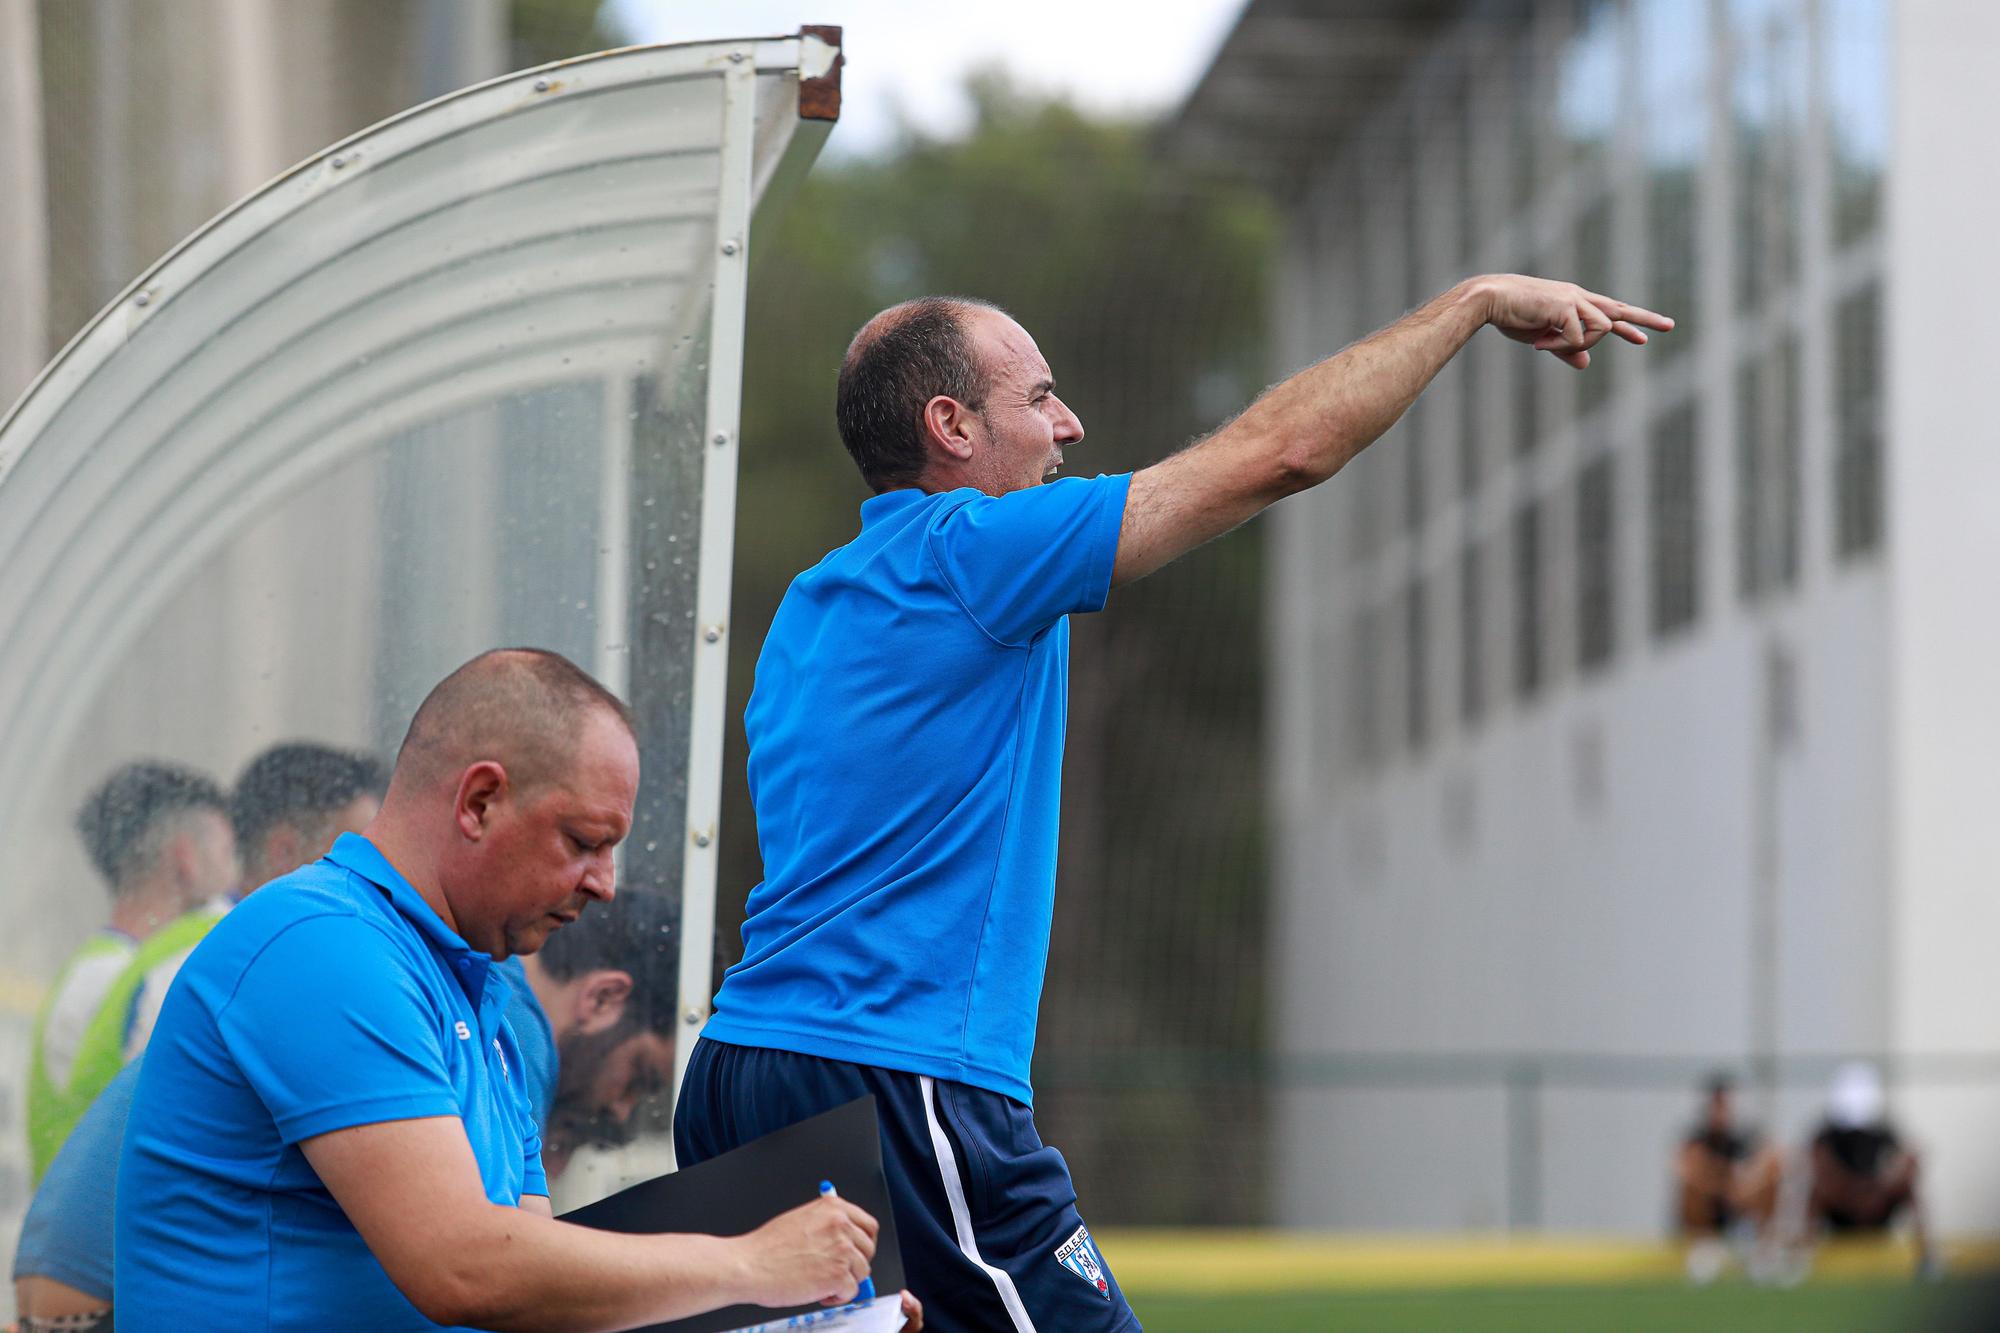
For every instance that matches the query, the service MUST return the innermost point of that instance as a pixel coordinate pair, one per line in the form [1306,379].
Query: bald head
[900,360]
[523,708]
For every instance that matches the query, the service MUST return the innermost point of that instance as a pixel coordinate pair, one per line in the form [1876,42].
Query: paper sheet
[884,1314]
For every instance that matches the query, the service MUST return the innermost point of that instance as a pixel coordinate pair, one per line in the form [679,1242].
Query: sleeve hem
[303,1125]
[1105,557]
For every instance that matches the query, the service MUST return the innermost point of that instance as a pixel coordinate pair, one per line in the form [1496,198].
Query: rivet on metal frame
[143,299]
[338,161]
[691,1017]
[720,438]
[713,634]
[729,247]
[541,85]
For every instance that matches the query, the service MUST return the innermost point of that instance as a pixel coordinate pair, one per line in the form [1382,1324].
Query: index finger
[859,1216]
[1631,314]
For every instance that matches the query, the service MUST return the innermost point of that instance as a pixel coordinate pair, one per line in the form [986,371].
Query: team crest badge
[1080,1257]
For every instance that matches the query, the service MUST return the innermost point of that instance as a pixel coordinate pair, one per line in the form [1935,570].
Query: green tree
[1145,287]
[539,31]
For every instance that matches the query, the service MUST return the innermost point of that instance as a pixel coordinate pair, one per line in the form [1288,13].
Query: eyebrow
[1041,387]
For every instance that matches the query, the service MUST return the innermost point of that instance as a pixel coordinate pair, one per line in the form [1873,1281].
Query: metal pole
[1524,1147]
[24,248]
[718,544]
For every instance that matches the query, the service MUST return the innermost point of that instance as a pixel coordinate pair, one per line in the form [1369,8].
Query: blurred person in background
[160,836]
[1727,1180]
[593,1010]
[906,730]
[289,805]
[1863,1177]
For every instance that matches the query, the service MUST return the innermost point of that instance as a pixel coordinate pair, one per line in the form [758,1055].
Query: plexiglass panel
[464,381]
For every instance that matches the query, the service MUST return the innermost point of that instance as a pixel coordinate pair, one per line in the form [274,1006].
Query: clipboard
[745,1188]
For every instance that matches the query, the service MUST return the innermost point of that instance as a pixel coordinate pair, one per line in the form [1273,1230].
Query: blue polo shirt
[540,1063]
[332,997]
[906,741]
[67,1232]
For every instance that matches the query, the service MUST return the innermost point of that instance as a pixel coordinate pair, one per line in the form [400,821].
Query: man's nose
[600,879]
[1069,429]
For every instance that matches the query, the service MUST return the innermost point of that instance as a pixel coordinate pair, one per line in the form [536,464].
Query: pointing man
[906,736]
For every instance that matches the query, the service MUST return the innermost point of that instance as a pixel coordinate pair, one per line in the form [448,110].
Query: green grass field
[1879,1306]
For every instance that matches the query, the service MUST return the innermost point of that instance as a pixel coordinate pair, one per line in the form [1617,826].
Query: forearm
[1295,436]
[1313,423]
[518,1270]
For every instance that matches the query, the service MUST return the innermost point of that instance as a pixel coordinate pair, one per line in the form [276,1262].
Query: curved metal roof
[545,227]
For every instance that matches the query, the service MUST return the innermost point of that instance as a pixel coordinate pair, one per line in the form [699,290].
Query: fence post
[1524,1146]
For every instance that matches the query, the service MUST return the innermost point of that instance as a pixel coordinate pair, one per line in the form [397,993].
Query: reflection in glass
[1416,637]
[1767,112]
[1676,137]
[1857,479]
[1528,627]
[1674,36]
[1596,563]
[1471,635]
[1592,269]
[1857,74]
[1767,472]
[1589,86]
[1673,502]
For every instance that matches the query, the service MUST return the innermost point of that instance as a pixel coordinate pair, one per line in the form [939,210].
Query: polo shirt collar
[878,507]
[354,853]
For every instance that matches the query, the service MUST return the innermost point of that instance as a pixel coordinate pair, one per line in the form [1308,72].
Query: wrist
[732,1262]
[1475,297]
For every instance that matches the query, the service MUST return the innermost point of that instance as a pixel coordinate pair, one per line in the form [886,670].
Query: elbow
[456,1299]
[1296,468]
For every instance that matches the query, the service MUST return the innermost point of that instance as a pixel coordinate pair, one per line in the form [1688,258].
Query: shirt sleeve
[1020,562]
[332,1030]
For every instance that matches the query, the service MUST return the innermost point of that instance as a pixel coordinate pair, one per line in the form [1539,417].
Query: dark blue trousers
[991,1239]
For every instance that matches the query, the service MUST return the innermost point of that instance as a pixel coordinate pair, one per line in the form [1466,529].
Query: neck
[403,846]
[145,909]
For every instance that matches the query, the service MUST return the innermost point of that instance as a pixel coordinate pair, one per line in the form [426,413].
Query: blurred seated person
[1727,1180]
[289,805]
[1863,1177]
[160,836]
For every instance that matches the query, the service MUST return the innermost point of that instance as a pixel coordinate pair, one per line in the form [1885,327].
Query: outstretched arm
[1304,430]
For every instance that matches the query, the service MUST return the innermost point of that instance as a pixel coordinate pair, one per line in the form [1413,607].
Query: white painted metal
[176,480]
[720,438]
[23,223]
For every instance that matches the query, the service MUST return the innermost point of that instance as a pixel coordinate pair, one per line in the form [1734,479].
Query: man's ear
[948,428]
[599,1003]
[481,788]
[183,855]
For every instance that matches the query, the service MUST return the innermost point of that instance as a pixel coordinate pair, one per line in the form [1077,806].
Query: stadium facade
[1634,722]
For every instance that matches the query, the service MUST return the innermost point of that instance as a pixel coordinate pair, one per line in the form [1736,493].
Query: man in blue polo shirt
[330,1129]
[906,734]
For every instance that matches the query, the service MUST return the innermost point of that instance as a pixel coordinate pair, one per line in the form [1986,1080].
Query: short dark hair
[898,362]
[301,784]
[116,820]
[637,932]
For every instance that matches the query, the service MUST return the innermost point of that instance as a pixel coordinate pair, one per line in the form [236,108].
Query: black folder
[741,1190]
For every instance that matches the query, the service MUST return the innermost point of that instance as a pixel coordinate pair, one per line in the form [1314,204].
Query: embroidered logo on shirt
[464,1032]
[1080,1257]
